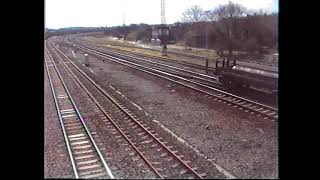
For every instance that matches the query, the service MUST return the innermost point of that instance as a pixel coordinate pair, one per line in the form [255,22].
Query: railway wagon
[236,76]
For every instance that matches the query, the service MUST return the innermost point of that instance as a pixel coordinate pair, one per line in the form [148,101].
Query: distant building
[155,34]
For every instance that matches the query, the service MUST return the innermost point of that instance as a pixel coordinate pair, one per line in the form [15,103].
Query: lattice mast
[123,18]
[163,15]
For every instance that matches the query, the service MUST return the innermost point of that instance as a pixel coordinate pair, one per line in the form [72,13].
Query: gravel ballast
[244,145]
[56,159]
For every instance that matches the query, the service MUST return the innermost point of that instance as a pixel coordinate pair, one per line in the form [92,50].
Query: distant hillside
[71,30]
[77,28]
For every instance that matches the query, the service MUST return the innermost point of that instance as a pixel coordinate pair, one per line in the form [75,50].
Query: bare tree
[230,10]
[228,27]
[193,14]
[211,15]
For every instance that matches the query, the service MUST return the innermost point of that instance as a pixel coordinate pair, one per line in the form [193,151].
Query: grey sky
[86,13]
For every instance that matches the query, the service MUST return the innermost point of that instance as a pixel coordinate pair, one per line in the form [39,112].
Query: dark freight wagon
[237,76]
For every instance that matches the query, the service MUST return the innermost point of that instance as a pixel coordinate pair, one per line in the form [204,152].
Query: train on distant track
[238,77]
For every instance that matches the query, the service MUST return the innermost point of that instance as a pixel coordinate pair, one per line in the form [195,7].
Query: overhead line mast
[163,30]
[123,18]
[163,15]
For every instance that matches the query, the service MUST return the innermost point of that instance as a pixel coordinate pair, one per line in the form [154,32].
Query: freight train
[238,77]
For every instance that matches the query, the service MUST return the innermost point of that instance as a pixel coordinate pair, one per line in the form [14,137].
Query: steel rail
[137,122]
[61,123]
[233,95]
[106,114]
[157,63]
[83,123]
[214,89]
[188,55]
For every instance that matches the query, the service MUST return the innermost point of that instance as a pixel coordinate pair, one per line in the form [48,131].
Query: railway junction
[112,113]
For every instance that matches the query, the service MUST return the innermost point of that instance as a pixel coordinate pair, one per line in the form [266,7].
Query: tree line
[226,28]
[70,30]
[232,27]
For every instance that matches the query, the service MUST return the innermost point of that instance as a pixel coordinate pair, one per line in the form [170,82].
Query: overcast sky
[93,13]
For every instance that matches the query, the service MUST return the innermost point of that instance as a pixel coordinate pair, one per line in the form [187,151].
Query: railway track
[209,80]
[165,67]
[200,68]
[187,55]
[85,156]
[160,157]
[241,103]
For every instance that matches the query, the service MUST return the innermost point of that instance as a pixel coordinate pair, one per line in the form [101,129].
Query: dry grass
[135,48]
[126,46]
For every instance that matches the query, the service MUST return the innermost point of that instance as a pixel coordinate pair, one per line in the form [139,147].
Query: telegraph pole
[123,18]
[207,60]
[124,29]
[163,15]
[163,30]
